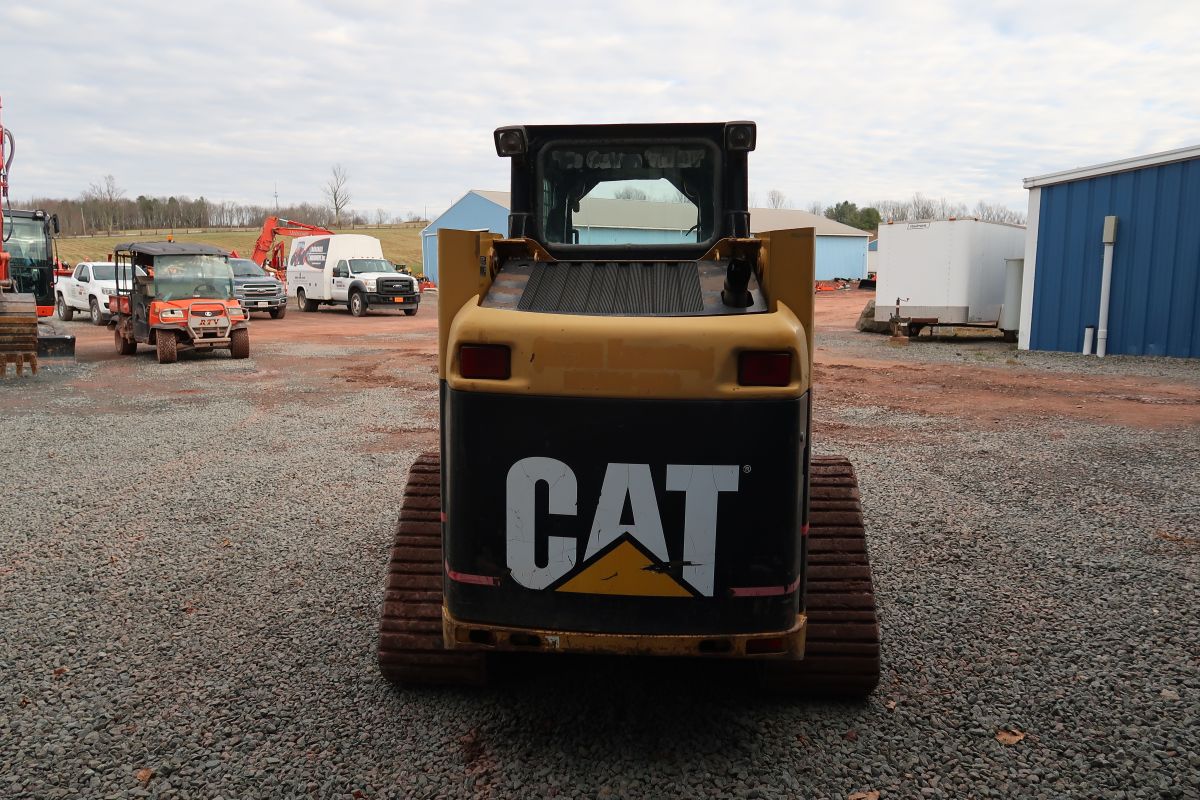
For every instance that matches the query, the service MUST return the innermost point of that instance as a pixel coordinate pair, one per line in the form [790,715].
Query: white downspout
[1110,240]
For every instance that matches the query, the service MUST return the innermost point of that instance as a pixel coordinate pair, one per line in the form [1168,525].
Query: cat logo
[620,558]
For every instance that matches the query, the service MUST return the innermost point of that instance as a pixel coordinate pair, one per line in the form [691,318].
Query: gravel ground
[193,591]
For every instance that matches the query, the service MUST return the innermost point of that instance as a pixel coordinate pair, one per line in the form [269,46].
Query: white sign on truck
[347,269]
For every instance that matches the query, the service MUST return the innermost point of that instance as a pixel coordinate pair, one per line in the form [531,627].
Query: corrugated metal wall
[1155,308]
[841,257]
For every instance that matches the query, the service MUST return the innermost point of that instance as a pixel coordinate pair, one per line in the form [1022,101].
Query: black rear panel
[617,288]
[624,516]
[598,287]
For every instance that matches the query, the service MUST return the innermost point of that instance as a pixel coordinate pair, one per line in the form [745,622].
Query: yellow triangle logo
[622,570]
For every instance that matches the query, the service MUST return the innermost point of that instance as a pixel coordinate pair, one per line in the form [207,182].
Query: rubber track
[841,654]
[410,629]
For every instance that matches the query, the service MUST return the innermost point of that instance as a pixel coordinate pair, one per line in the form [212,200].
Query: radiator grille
[614,288]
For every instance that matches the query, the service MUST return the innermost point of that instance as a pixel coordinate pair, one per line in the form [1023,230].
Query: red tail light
[759,646]
[764,368]
[490,361]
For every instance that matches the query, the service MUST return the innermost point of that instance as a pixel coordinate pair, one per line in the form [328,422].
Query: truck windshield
[185,277]
[26,243]
[651,193]
[359,266]
[245,268]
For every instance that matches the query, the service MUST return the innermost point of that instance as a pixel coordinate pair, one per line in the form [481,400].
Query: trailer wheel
[239,343]
[95,312]
[278,313]
[124,346]
[409,312]
[358,304]
[304,303]
[65,312]
[168,347]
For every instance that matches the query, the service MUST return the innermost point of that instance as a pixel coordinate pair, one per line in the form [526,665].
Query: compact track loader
[625,462]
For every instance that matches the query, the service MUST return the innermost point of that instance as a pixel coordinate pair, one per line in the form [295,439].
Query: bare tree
[105,198]
[381,216]
[777,199]
[816,207]
[629,193]
[336,192]
[994,213]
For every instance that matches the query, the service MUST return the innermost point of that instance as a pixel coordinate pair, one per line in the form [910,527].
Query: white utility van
[347,269]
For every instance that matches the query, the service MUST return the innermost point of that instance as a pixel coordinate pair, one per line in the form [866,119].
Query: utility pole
[276,197]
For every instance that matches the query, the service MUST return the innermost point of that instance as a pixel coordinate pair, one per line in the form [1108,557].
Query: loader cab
[674,195]
[29,241]
[687,182]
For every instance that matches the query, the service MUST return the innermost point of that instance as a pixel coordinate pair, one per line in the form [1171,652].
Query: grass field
[401,245]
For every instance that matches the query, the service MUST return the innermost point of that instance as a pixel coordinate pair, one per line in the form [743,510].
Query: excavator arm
[268,254]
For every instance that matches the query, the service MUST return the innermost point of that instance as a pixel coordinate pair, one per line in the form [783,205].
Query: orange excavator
[269,254]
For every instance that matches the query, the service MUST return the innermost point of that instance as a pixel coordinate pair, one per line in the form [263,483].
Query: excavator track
[410,630]
[841,651]
[18,333]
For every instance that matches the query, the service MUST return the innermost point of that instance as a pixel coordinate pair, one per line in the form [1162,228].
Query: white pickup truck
[87,290]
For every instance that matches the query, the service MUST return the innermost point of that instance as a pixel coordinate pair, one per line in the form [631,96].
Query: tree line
[919,207]
[104,207]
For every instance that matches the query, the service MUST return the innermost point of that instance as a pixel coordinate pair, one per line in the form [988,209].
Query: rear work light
[764,368]
[489,361]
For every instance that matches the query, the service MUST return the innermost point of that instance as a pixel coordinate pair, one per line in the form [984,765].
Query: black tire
[410,312]
[94,311]
[411,651]
[239,343]
[304,303]
[168,347]
[358,304]
[65,312]
[278,313]
[124,346]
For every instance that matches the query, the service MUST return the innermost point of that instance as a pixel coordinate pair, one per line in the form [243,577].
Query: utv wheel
[410,312]
[95,312]
[239,344]
[358,304]
[168,347]
[278,313]
[304,303]
[411,652]
[124,346]
[65,312]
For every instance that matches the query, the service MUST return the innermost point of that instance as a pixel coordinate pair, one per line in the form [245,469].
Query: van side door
[340,282]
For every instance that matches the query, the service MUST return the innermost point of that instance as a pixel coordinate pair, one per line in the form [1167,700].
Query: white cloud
[229,99]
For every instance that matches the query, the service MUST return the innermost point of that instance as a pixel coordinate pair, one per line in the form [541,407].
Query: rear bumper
[263,303]
[787,644]
[398,301]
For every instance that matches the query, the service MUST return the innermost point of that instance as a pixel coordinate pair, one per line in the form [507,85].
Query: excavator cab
[625,462]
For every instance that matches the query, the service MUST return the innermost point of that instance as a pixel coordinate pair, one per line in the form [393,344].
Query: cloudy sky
[859,101]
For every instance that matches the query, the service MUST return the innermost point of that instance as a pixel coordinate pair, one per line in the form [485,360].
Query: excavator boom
[268,253]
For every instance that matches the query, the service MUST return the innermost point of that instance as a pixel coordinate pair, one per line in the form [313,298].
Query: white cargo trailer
[945,272]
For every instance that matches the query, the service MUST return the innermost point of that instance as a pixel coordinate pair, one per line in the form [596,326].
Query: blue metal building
[1154,307]
[475,210]
[841,249]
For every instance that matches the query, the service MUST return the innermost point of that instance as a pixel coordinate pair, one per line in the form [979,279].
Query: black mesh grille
[614,287]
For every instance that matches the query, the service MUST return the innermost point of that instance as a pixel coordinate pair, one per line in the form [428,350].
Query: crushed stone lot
[192,560]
